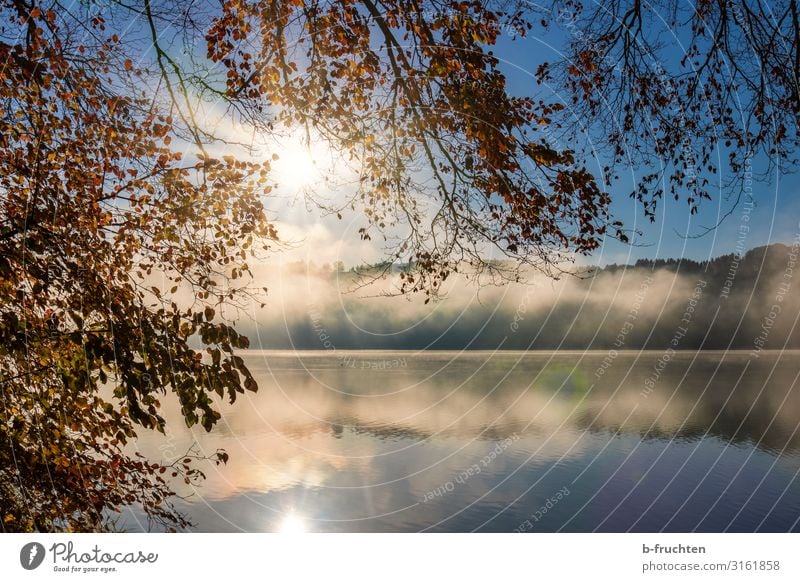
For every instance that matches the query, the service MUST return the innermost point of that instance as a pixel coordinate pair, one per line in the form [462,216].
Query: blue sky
[774,217]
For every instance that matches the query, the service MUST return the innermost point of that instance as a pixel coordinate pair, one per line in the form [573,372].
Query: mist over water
[511,441]
[654,397]
[727,303]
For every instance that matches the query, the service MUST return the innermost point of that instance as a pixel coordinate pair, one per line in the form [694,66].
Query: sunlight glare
[299,165]
[292,524]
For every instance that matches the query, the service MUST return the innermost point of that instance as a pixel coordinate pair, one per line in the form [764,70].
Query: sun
[304,162]
[301,164]
[296,166]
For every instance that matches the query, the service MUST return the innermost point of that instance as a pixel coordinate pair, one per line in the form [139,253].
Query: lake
[369,441]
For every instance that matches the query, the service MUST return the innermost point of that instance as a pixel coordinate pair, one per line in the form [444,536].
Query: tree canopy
[127,238]
[699,98]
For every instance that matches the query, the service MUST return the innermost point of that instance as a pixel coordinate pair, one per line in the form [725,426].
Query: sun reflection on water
[293,524]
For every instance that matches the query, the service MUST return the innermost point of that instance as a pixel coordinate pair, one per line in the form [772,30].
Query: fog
[746,303]
[315,417]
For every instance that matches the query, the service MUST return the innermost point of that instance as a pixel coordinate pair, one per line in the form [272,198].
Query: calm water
[393,441]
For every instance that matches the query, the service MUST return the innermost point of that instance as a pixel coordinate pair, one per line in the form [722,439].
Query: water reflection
[343,443]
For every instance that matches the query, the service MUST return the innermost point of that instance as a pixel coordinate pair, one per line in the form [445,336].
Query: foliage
[675,89]
[125,238]
[411,91]
[99,217]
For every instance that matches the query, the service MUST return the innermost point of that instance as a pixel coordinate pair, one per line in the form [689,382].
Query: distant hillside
[756,263]
[749,302]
